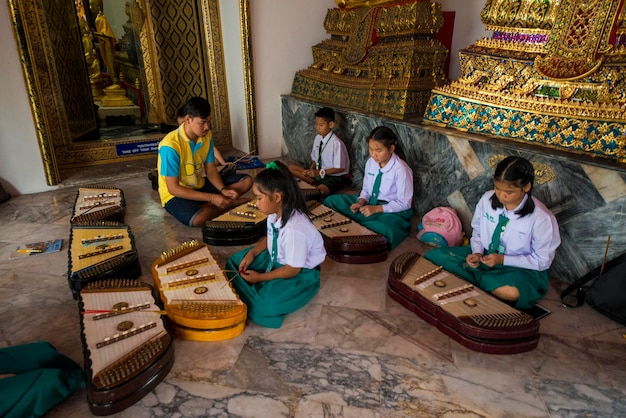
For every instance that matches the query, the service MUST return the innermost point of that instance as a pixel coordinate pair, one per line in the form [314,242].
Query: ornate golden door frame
[176,66]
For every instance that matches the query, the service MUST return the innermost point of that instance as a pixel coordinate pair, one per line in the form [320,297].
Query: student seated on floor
[514,239]
[184,155]
[330,163]
[279,274]
[384,205]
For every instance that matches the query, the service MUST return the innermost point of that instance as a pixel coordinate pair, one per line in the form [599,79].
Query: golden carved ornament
[543,172]
[348,4]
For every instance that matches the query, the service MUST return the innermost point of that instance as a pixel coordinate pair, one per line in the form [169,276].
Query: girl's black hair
[388,138]
[196,106]
[518,172]
[280,180]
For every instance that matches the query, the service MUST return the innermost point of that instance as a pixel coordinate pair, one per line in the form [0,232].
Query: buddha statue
[106,37]
[114,95]
[93,64]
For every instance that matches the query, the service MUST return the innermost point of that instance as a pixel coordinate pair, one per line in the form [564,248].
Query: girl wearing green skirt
[281,273]
[384,204]
[514,239]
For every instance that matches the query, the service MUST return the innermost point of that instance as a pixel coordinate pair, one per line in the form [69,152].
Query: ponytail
[277,178]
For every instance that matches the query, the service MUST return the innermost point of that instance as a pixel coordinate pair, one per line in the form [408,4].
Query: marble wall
[454,169]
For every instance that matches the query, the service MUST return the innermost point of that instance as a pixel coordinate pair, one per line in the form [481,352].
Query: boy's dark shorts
[185,210]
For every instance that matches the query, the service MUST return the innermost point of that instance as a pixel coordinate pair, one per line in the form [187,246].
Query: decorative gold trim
[55,144]
[543,173]
[248,72]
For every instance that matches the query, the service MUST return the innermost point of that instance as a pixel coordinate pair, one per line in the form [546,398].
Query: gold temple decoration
[381,58]
[54,93]
[551,75]
[580,39]
[543,173]
[115,96]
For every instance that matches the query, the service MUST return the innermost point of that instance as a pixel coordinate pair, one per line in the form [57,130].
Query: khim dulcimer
[309,191]
[127,348]
[101,250]
[98,203]
[198,298]
[347,241]
[464,312]
[242,225]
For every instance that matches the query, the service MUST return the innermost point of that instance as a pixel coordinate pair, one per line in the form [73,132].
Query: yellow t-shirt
[179,157]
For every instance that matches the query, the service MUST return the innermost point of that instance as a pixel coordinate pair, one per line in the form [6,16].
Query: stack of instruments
[243,225]
[128,351]
[101,250]
[95,203]
[472,317]
[347,241]
[198,299]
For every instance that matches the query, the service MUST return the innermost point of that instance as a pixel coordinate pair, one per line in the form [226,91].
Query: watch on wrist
[322,173]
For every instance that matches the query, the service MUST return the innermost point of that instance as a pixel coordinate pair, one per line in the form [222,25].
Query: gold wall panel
[176,68]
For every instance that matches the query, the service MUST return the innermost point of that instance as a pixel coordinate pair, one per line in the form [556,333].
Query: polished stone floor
[351,352]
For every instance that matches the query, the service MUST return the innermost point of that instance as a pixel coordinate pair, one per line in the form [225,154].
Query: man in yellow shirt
[185,156]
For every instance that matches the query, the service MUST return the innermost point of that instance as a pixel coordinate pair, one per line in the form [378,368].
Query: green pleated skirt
[269,302]
[394,226]
[532,284]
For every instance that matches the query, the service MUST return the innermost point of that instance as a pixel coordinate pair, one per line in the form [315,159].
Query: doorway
[181,60]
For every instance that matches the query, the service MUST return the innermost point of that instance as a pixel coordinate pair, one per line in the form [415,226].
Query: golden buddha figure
[93,64]
[114,95]
[106,37]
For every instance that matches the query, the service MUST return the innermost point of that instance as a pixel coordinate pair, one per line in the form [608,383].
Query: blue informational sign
[124,150]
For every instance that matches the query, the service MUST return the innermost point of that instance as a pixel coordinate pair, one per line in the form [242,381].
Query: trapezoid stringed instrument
[101,250]
[127,348]
[98,203]
[464,312]
[243,225]
[197,296]
[347,241]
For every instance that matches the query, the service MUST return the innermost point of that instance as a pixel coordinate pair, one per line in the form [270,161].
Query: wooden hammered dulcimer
[101,250]
[98,203]
[197,297]
[347,241]
[467,314]
[243,225]
[127,348]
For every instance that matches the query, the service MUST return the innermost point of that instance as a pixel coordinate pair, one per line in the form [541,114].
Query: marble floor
[351,352]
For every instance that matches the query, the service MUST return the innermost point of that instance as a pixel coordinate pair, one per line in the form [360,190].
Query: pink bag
[440,227]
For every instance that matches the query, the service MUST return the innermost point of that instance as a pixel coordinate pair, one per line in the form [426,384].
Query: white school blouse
[334,153]
[300,244]
[396,185]
[529,242]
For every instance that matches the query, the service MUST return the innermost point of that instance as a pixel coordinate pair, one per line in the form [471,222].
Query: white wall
[21,167]
[115,12]
[467,28]
[283,32]
[233,63]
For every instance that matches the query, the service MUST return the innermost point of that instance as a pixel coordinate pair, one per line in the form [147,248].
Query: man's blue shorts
[185,210]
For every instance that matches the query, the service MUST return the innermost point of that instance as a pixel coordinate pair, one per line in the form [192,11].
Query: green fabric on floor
[43,378]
